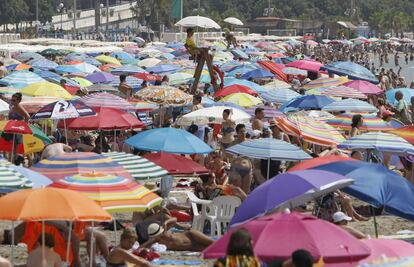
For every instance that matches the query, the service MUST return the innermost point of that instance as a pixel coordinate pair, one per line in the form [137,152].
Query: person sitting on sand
[339,218]
[120,255]
[44,257]
[190,240]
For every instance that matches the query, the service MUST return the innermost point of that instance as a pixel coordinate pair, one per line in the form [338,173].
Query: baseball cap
[340,216]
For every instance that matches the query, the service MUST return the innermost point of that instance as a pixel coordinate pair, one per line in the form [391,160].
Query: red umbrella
[274,68]
[234,88]
[105,119]
[278,235]
[311,163]
[147,77]
[306,65]
[15,127]
[389,248]
[176,164]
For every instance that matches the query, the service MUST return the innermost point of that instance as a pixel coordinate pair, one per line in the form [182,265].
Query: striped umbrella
[127,70]
[106,100]
[279,96]
[113,193]
[44,64]
[64,110]
[312,131]
[164,95]
[350,105]
[11,179]
[277,84]
[269,112]
[406,132]
[74,163]
[242,99]
[344,92]
[140,168]
[31,143]
[384,142]
[20,79]
[135,83]
[326,82]
[370,122]
[34,104]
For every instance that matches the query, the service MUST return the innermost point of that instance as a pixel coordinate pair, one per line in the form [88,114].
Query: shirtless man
[50,259]
[190,240]
[339,218]
[56,149]
[257,123]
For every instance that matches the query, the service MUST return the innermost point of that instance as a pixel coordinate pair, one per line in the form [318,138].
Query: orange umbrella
[50,204]
[406,132]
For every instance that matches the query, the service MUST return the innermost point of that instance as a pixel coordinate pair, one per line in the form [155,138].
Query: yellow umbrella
[82,81]
[242,99]
[46,89]
[108,60]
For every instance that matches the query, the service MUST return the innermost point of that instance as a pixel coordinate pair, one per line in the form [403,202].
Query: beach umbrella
[214,115]
[59,167]
[46,89]
[108,60]
[274,68]
[127,70]
[295,231]
[352,70]
[148,77]
[350,105]
[344,92]
[234,88]
[135,83]
[163,68]
[109,67]
[254,86]
[44,64]
[312,131]
[8,91]
[406,132]
[198,21]
[277,84]
[169,140]
[164,95]
[176,164]
[407,94]
[370,122]
[269,148]
[294,71]
[31,143]
[390,248]
[179,78]
[105,119]
[20,79]
[258,74]
[63,109]
[125,57]
[279,96]
[233,21]
[19,66]
[318,161]
[308,65]
[364,87]
[15,127]
[98,88]
[269,112]
[318,115]
[140,168]
[10,179]
[384,142]
[377,185]
[390,262]
[113,193]
[51,52]
[149,62]
[307,102]
[4,107]
[325,82]
[86,68]
[101,77]
[54,77]
[288,190]
[106,100]
[34,104]
[242,99]
[82,82]
[26,56]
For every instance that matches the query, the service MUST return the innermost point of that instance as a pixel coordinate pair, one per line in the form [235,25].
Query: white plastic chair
[198,216]
[221,212]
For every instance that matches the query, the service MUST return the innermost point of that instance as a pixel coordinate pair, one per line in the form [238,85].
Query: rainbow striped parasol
[406,132]
[68,164]
[113,193]
[370,122]
[326,82]
[312,131]
[344,92]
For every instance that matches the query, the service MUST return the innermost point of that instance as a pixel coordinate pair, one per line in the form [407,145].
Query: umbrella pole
[91,256]
[66,131]
[12,152]
[12,244]
[268,168]
[375,221]
[68,247]
[43,244]
[116,234]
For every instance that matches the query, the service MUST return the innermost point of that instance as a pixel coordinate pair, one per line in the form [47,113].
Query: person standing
[3,70]
[257,123]
[124,87]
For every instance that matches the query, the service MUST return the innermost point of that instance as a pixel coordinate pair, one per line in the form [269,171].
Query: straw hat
[154,229]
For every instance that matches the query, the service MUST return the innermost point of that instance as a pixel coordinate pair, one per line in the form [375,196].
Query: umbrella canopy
[391,262]
[325,82]
[288,190]
[26,56]
[384,142]
[352,70]
[307,102]
[364,87]
[233,21]
[269,112]
[20,79]
[44,64]
[306,65]
[242,99]
[35,205]
[4,107]
[106,100]
[179,78]
[350,105]
[251,85]
[169,140]
[311,163]
[101,88]
[148,77]
[108,59]
[214,114]
[101,77]
[198,21]
[31,143]
[164,95]
[279,96]
[37,180]
[406,132]
[294,71]
[82,81]
[257,74]
[64,110]
[344,92]
[15,127]
[389,248]
[149,62]
[269,148]
[370,122]
[140,168]
[69,164]
[127,70]
[234,88]
[105,119]
[376,185]
[176,164]
[12,179]
[407,94]
[296,231]
[165,68]
[51,52]
[34,104]
[312,131]
[113,193]
[46,89]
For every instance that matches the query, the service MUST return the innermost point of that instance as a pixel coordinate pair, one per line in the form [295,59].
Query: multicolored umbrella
[269,112]
[306,65]
[352,70]
[148,77]
[325,82]
[140,168]
[350,105]
[390,262]
[127,70]
[113,193]
[234,88]
[242,99]
[64,110]
[364,87]
[15,127]
[18,66]
[20,79]
[46,89]
[164,95]
[370,122]
[44,64]
[34,104]
[312,131]
[406,132]
[106,100]
[344,92]
[31,143]
[11,179]
[279,96]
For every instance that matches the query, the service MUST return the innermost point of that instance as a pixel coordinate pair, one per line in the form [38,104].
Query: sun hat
[154,229]
[340,216]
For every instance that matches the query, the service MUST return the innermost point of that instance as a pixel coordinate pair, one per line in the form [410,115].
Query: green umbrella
[40,134]
[52,52]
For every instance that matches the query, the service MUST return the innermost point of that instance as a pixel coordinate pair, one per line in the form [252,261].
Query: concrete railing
[8,37]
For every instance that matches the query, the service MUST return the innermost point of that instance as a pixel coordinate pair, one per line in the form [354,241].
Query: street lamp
[60,10]
[100,13]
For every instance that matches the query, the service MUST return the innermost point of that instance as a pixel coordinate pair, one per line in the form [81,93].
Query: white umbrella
[4,107]
[198,21]
[149,62]
[212,115]
[234,21]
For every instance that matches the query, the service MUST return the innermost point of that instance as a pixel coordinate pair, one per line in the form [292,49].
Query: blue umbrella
[135,83]
[165,68]
[38,180]
[20,79]
[207,102]
[377,185]
[127,70]
[251,85]
[26,56]
[352,70]
[92,61]
[67,69]
[307,102]
[269,148]
[75,56]
[350,105]
[44,64]
[239,53]
[258,74]
[101,77]
[169,140]
[279,96]
[124,57]
[242,69]
[54,77]
[407,94]
[288,190]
